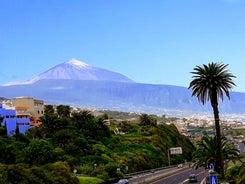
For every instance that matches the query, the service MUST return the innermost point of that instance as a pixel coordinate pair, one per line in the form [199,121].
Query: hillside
[121,96]
[83,142]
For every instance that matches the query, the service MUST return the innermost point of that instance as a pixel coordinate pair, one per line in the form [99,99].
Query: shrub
[232,173]
[61,173]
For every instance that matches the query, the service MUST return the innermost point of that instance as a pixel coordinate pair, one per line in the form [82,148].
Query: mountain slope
[76,83]
[121,96]
[75,69]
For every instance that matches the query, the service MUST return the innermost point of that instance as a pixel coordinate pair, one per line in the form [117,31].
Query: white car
[180,165]
[123,181]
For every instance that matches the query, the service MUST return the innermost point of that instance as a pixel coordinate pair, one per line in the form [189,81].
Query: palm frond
[210,79]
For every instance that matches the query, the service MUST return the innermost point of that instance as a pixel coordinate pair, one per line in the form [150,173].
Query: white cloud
[57,88]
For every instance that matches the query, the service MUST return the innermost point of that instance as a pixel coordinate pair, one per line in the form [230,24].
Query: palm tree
[80,118]
[211,82]
[63,111]
[145,120]
[207,151]
[48,109]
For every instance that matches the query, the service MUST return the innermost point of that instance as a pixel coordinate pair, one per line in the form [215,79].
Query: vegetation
[67,147]
[89,180]
[236,174]
[206,152]
[211,82]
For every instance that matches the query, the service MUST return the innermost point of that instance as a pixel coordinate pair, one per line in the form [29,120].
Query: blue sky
[149,41]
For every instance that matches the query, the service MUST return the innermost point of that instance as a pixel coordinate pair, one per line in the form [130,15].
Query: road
[170,176]
[148,176]
[182,177]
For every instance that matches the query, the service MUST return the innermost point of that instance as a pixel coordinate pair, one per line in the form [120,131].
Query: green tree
[63,111]
[15,174]
[48,109]
[38,175]
[38,152]
[37,132]
[207,151]
[52,123]
[3,131]
[7,154]
[145,120]
[79,119]
[65,139]
[211,82]
[17,130]
[61,173]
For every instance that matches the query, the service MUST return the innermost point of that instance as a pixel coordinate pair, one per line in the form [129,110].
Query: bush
[111,169]
[38,175]
[15,174]
[61,173]
[89,180]
[99,172]
[232,173]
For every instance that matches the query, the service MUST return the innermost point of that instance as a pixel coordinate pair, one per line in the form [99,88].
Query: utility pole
[168,157]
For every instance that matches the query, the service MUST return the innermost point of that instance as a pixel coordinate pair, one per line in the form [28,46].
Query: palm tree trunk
[218,134]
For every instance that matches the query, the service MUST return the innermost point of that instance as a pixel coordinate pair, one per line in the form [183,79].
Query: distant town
[196,127]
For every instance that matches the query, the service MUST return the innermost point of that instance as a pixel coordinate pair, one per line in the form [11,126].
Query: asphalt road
[182,177]
[148,176]
[169,176]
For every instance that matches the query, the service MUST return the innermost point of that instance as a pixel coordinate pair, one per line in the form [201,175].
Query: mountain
[76,83]
[75,69]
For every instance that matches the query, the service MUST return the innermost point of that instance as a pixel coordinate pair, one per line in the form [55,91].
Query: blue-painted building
[11,122]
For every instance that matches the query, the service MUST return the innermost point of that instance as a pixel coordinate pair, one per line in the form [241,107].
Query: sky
[149,41]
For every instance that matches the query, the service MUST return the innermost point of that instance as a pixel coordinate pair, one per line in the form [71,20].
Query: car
[123,181]
[192,178]
[180,165]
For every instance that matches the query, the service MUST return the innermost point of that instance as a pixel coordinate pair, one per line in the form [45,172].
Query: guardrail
[129,175]
[157,177]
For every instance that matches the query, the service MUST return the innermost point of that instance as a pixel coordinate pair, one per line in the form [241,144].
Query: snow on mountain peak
[77,63]
[76,70]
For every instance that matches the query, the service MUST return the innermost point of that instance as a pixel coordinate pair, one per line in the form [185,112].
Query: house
[30,107]
[12,122]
